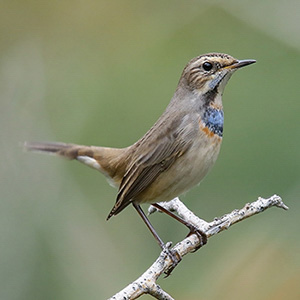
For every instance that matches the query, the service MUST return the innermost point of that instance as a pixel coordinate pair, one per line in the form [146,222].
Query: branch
[146,283]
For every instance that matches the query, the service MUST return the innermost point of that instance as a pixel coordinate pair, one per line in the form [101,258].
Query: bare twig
[146,283]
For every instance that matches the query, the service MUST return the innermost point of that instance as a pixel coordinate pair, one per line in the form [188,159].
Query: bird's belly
[186,172]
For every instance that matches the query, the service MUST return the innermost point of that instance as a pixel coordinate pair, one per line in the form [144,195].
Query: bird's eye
[207,66]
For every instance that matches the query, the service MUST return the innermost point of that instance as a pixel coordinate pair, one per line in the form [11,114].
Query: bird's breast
[189,169]
[212,122]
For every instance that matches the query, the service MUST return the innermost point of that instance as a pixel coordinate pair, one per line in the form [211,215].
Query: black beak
[242,63]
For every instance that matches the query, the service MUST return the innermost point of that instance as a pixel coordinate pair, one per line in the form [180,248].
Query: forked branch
[146,283]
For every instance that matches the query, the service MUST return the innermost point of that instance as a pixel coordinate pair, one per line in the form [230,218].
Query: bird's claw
[175,258]
[200,234]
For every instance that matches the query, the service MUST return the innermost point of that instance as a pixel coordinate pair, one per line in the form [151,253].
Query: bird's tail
[109,161]
[69,151]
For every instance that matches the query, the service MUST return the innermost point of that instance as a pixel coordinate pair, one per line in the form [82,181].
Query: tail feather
[61,149]
[109,161]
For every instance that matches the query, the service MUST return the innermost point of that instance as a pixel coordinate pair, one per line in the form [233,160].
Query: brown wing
[158,157]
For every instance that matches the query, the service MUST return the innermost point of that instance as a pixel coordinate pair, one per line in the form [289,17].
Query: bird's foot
[174,256]
[200,234]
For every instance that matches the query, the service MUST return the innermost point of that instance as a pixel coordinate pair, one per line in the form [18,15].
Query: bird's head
[210,72]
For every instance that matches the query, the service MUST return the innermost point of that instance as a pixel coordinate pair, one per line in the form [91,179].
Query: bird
[178,150]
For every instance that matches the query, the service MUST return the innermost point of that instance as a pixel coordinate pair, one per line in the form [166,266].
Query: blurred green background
[101,73]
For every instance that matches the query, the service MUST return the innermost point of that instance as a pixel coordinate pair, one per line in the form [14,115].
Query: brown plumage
[180,148]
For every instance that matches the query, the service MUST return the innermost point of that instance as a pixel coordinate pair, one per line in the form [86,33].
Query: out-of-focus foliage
[101,72]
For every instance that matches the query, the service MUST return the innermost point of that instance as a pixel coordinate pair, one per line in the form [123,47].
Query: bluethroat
[176,153]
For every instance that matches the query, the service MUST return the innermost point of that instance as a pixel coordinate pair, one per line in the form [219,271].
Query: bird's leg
[174,256]
[201,235]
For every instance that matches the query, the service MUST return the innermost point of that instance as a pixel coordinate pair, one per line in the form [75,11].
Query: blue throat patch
[214,119]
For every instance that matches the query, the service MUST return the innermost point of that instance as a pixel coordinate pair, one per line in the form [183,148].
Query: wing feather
[159,156]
